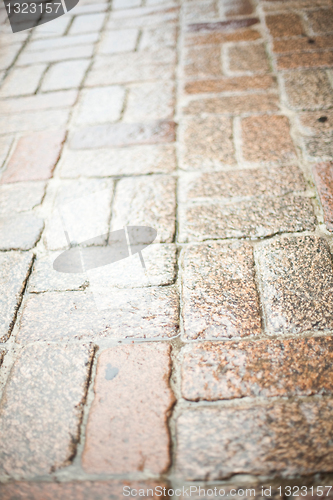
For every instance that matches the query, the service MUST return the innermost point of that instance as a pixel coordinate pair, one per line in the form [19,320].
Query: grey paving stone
[134,160]
[8,54]
[158,37]
[54,55]
[297,281]
[39,102]
[150,101]
[87,23]
[308,89]
[14,270]
[20,197]
[65,75]
[5,145]
[282,439]
[100,105]
[20,232]
[137,313]
[146,201]
[35,120]
[22,81]
[249,219]
[41,411]
[65,41]
[219,292]
[117,41]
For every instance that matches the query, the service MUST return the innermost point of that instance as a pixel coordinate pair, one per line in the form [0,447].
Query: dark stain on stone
[323,119]
[111,372]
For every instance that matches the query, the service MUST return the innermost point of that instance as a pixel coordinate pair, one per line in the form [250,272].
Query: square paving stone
[20,197]
[150,101]
[100,105]
[14,271]
[309,89]
[146,201]
[132,313]
[249,58]
[41,411]
[219,292]
[246,219]
[293,367]
[20,232]
[281,439]
[296,277]
[129,414]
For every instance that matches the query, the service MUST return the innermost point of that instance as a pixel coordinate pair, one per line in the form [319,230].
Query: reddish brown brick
[267,368]
[34,157]
[267,138]
[306,60]
[248,58]
[303,44]
[283,439]
[81,490]
[323,174]
[238,83]
[254,103]
[310,89]
[230,8]
[203,61]
[224,26]
[123,134]
[321,21]
[215,37]
[127,427]
[281,25]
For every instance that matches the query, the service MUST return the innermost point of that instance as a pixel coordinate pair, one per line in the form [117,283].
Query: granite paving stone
[283,25]
[227,84]
[200,10]
[130,410]
[305,60]
[267,138]
[246,219]
[223,26]
[206,142]
[250,58]
[34,157]
[310,89]
[158,37]
[87,23]
[203,61]
[39,102]
[65,75]
[297,282]
[251,103]
[293,367]
[8,54]
[214,36]
[20,231]
[64,41]
[321,20]
[15,268]
[20,197]
[123,134]
[5,146]
[146,201]
[41,412]
[219,292]
[45,119]
[284,438]
[55,55]
[302,44]
[100,105]
[134,160]
[22,81]
[319,148]
[137,313]
[323,174]
[150,101]
[118,41]
[231,8]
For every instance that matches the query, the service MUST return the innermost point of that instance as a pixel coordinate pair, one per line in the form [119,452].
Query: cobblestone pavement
[211,121]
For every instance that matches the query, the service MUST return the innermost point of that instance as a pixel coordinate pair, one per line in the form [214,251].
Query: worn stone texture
[249,58]
[139,313]
[216,37]
[273,181]
[321,20]
[234,104]
[44,119]
[309,89]
[100,105]
[206,142]
[39,102]
[296,278]
[306,60]
[281,439]
[203,61]
[246,219]
[150,101]
[55,55]
[267,138]
[22,81]
[34,157]
[283,25]
[41,412]
[129,414]
[134,160]
[20,197]
[323,174]
[20,231]
[293,367]
[80,490]
[220,299]
[118,41]
[14,271]
[65,75]
[231,8]
[146,201]
[227,84]
[123,134]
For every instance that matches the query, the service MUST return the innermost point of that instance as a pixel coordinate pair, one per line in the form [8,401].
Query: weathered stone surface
[238,183]
[5,145]
[41,412]
[20,197]
[134,160]
[231,8]
[248,58]
[285,438]
[323,173]
[319,148]
[219,292]
[87,24]
[55,55]
[22,81]
[14,270]
[293,367]
[34,157]
[100,105]
[123,134]
[302,44]
[306,60]
[159,36]
[20,232]
[81,490]
[150,101]
[206,142]
[129,414]
[223,26]
[234,104]
[51,100]
[297,281]
[200,10]
[203,61]
[283,25]
[138,313]
[321,20]
[2,355]
[237,83]
[65,75]
[146,201]
[214,37]
[309,89]
[118,41]
[45,119]
[62,41]
[267,138]
[254,219]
